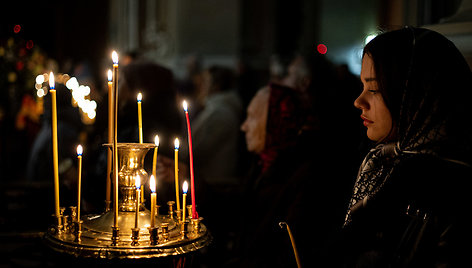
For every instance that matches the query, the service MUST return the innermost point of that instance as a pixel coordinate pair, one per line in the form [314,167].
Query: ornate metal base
[96,237]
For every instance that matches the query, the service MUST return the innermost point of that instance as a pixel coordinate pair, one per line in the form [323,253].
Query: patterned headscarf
[428,92]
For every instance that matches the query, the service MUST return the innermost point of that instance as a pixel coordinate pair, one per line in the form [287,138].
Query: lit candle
[114,56]
[192,179]
[154,159]
[176,171]
[184,198]
[79,179]
[55,159]
[154,167]
[110,138]
[152,186]
[138,194]
[140,117]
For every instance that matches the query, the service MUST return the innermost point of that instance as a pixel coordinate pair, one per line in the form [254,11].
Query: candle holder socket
[115,235]
[73,214]
[165,232]
[58,227]
[66,226]
[78,231]
[196,225]
[178,215]
[189,211]
[61,215]
[171,209]
[153,236]
[184,230]
[135,236]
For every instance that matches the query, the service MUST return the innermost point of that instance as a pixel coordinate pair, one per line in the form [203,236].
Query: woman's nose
[360,102]
[243,126]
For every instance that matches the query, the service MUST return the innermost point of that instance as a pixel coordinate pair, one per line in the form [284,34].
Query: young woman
[409,205]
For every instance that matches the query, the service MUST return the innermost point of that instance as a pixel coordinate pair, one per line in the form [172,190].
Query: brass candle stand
[96,236]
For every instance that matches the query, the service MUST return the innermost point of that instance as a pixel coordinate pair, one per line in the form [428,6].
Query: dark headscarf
[285,119]
[426,84]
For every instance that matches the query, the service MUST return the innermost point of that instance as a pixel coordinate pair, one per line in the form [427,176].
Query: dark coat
[300,189]
[418,219]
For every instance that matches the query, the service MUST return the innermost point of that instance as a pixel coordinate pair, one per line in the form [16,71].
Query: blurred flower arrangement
[24,67]
[20,59]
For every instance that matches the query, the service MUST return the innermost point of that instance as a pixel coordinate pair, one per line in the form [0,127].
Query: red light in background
[17,28]
[29,44]
[322,49]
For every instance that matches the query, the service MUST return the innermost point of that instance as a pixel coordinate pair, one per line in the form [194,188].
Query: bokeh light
[322,49]
[29,44]
[17,28]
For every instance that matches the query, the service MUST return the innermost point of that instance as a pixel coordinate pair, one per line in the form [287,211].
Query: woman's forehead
[260,101]
[367,71]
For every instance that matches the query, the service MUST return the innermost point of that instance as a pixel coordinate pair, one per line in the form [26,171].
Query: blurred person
[215,129]
[129,57]
[161,115]
[297,141]
[189,86]
[217,144]
[278,187]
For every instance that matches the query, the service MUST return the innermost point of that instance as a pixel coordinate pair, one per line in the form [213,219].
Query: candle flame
[176,143]
[110,75]
[156,140]
[152,184]
[185,106]
[79,149]
[185,187]
[114,57]
[137,181]
[51,80]
[140,97]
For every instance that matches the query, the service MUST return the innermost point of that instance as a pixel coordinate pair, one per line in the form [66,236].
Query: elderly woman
[287,182]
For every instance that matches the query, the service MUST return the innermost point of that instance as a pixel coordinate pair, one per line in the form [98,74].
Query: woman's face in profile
[255,124]
[375,114]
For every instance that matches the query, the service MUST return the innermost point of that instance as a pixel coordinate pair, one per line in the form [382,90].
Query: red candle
[192,181]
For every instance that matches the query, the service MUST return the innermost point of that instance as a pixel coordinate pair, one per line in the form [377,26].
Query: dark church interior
[222,57]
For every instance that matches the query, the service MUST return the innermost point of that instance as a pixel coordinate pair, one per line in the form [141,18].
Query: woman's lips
[366,121]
